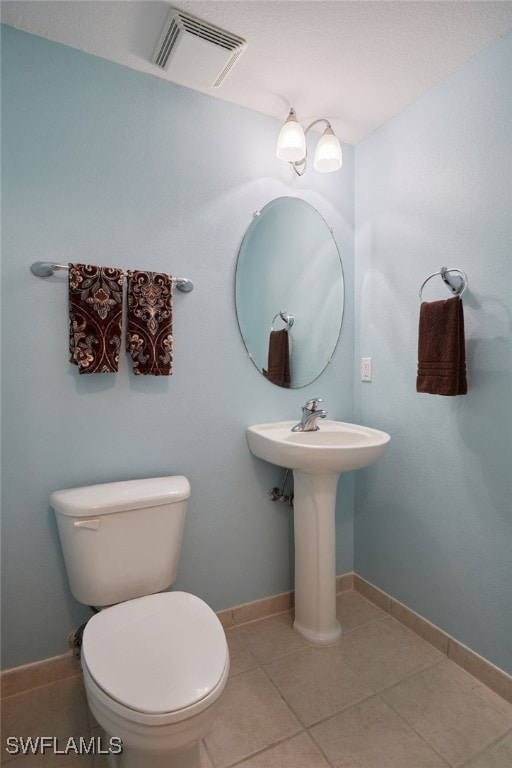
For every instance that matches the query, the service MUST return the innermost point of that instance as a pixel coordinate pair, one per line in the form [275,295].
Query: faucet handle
[312,404]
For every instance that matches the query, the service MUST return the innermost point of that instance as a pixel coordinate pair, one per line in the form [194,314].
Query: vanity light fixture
[291,146]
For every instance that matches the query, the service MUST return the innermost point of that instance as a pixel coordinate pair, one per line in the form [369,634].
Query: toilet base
[173,744]
[134,758]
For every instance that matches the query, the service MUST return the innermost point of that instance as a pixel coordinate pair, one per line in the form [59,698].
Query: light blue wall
[101,163]
[433,521]
[106,165]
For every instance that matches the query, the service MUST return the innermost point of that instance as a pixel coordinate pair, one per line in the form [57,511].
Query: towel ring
[456,284]
[285,317]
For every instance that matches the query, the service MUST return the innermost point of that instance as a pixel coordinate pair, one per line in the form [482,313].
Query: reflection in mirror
[289,292]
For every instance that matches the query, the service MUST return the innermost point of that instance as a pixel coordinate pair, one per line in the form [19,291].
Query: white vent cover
[194,51]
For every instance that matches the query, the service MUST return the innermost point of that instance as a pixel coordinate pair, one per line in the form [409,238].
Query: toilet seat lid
[156,654]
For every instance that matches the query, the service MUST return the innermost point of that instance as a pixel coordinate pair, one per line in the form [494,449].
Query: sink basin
[336,447]
[316,458]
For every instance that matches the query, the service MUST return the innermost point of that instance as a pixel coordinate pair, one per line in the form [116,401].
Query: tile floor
[380,698]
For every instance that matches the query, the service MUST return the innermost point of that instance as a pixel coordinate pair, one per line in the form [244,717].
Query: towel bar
[48,268]
[457,284]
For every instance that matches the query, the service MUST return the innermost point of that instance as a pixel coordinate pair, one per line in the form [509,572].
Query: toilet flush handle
[93,525]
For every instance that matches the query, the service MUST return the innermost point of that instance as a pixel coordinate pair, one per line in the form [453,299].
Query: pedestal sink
[317,458]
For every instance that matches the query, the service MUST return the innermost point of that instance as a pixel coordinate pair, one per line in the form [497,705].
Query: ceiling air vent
[196,52]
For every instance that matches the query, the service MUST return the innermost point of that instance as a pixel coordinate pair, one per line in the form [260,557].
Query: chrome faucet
[310,415]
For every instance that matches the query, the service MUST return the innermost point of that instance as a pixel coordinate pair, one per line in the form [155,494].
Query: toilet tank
[121,540]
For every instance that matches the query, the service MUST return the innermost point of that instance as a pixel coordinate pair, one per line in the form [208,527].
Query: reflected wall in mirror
[289,292]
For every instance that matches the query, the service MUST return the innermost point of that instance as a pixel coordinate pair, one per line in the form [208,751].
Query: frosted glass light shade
[291,143]
[328,153]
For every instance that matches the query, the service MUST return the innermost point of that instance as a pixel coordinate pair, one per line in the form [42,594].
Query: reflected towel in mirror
[278,359]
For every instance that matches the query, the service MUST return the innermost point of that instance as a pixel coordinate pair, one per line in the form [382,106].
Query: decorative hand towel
[278,359]
[95,316]
[441,348]
[149,331]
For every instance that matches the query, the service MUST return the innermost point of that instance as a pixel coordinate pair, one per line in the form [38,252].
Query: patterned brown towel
[278,359]
[149,331]
[95,315]
[441,348]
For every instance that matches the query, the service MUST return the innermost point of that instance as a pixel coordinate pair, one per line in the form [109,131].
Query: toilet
[155,663]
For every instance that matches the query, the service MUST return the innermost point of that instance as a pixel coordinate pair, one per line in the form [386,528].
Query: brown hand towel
[149,331]
[95,314]
[278,359]
[441,348]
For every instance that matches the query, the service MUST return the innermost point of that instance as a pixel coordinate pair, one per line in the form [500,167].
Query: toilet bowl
[155,663]
[154,669]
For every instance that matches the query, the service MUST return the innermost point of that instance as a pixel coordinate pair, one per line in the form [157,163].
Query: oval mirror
[289,292]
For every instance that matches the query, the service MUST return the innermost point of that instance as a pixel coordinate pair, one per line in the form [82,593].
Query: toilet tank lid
[103,499]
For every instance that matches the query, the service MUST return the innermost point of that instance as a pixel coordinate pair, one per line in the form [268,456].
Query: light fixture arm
[300,166]
[292,146]
[320,120]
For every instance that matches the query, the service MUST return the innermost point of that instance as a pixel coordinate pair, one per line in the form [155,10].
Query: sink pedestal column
[315,557]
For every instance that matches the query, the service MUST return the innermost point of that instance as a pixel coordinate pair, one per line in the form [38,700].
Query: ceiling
[356,62]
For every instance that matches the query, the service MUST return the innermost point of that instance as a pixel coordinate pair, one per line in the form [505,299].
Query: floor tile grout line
[468,688]
[416,635]
[459,763]
[386,616]
[266,663]
[400,681]
[343,710]
[263,665]
[241,640]
[232,675]
[407,725]
[307,645]
[306,726]
[431,665]
[483,749]
[302,728]
[264,749]
[372,694]
[477,689]
[283,656]
[274,686]
[360,626]
[449,638]
[208,754]
[320,749]
[413,729]
[260,618]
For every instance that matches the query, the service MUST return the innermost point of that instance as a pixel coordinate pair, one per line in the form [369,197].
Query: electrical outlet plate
[366,369]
